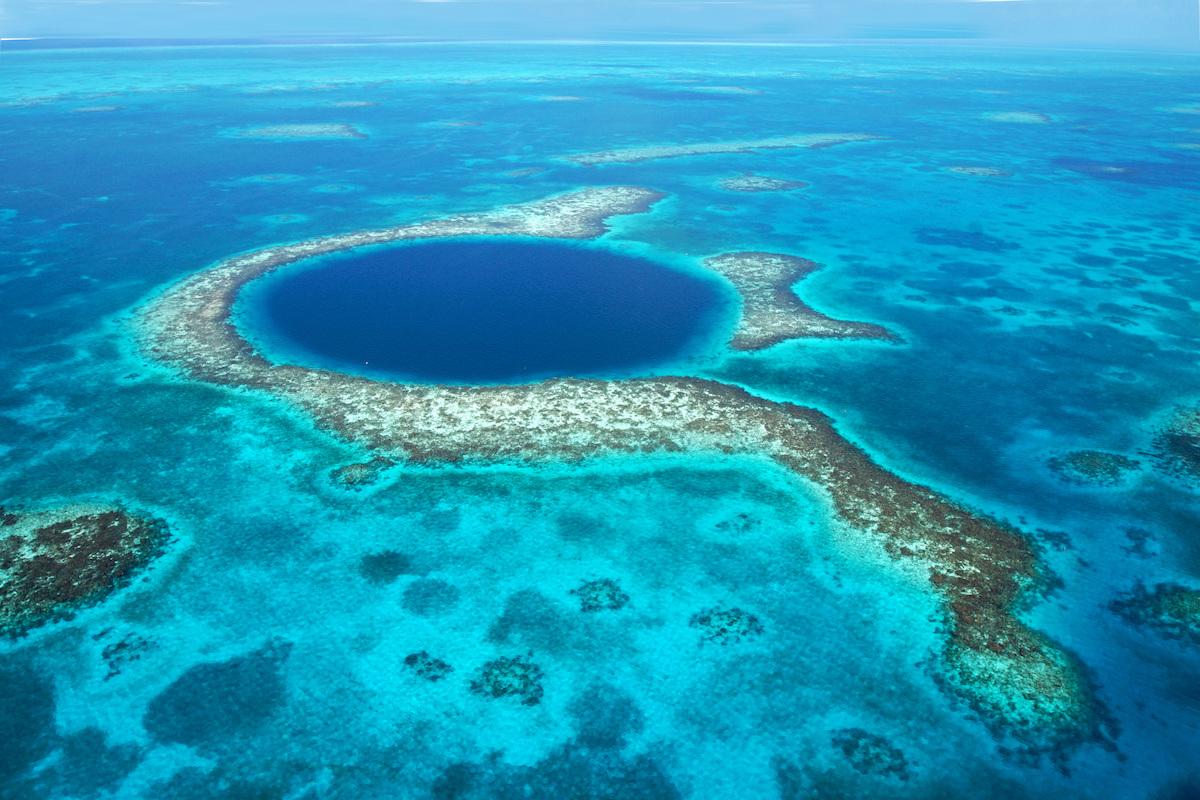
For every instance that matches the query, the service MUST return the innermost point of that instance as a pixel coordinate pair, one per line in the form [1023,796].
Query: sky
[1168,24]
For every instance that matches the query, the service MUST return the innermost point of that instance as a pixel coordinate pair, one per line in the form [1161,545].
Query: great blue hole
[482,311]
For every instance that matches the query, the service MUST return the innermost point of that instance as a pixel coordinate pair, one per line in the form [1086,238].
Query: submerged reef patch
[601,595]
[1170,610]
[634,154]
[56,561]
[383,567]
[1176,448]
[426,666]
[355,476]
[750,183]
[326,131]
[726,626]
[981,571]
[1093,467]
[771,312]
[871,754]
[510,677]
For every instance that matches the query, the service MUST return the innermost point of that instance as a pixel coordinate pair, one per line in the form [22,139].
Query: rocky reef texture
[326,131]
[56,561]
[750,183]
[510,677]
[635,154]
[356,476]
[1176,448]
[982,571]
[1171,610]
[601,595]
[771,311]
[1093,467]
[426,666]
[726,626]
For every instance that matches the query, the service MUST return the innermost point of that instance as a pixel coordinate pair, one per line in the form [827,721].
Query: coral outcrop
[56,561]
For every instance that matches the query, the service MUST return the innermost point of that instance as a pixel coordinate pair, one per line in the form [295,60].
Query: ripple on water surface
[474,312]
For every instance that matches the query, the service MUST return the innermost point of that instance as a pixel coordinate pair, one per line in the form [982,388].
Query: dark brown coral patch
[1176,448]
[56,561]
[355,476]
[510,677]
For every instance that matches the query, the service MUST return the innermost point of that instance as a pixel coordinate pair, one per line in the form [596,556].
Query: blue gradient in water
[1050,310]
[489,311]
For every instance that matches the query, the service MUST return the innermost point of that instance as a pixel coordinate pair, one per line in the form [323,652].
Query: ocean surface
[479,312]
[1044,308]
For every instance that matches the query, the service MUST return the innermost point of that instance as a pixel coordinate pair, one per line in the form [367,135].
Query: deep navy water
[1050,308]
[486,312]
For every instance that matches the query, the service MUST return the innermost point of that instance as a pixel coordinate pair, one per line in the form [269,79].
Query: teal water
[1042,312]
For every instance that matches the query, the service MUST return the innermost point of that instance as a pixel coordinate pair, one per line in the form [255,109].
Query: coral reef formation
[750,183]
[355,476]
[981,571]
[601,595]
[871,754]
[1171,610]
[771,311]
[324,131]
[426,666]
[510,677]
[635,154]
[725,626]
[1093,467]
[1176,448]
[55,561]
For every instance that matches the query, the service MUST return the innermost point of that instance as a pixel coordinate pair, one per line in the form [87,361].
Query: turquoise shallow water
[1045,311]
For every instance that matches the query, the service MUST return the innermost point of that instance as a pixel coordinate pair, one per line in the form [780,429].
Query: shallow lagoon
[1044,312]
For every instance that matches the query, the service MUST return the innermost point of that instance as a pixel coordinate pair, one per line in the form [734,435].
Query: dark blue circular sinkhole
[483,311]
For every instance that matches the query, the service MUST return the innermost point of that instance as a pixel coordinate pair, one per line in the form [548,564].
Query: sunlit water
[1044,311]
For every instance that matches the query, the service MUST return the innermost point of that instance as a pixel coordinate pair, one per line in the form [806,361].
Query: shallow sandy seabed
[635,154]
[751,183]
[1023,684]
[987,172]
[336,131]
[1017,116]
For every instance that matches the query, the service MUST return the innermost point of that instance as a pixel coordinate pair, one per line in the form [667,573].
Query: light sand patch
[635,154]
[1026,117]
[326,131]
[984,172]
[771,311]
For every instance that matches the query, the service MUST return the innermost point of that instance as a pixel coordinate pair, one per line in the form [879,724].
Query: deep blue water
[487,311]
